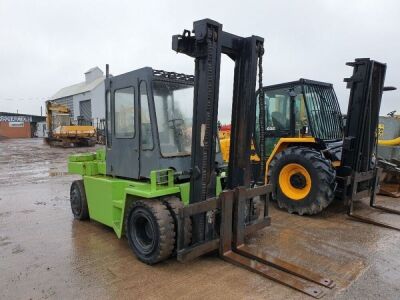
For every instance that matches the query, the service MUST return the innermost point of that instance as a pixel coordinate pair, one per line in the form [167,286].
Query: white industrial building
[85,99]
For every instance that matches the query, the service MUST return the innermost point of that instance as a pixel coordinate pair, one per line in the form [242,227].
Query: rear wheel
[303,180]
[78,200]
[150,231]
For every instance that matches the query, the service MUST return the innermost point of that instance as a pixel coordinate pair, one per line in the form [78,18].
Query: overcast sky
[47,45]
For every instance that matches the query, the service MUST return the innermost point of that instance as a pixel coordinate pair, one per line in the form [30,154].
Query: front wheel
[303,180]
[150,231]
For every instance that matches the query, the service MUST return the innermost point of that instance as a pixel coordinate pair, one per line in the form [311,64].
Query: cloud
[46,45]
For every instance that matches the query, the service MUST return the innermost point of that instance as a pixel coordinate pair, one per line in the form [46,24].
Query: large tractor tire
[303,180]
[174,204]
[150,231]
[78,200]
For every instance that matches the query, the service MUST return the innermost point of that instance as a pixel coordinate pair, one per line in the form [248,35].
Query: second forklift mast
[206,46]
[358,175]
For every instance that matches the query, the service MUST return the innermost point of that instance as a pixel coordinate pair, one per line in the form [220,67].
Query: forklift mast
[360,139]
[206,46]
[222,222]
[359,173]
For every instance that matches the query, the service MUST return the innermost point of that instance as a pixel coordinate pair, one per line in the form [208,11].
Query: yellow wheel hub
[295,181]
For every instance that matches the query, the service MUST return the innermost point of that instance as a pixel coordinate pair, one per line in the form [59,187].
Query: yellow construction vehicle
[310,155]
[224,135]
[61,131]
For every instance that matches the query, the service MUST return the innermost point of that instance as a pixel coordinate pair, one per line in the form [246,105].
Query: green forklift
[160,180]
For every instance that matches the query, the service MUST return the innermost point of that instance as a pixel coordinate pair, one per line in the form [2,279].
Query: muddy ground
[46,254]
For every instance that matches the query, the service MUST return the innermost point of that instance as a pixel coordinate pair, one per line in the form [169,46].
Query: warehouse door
[85,110]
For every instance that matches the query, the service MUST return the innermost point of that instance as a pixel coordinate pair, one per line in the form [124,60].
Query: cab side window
[124,113]
[146,132]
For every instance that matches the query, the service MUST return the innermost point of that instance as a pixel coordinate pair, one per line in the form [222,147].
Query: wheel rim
[143,232]
[75,202]
[295,181]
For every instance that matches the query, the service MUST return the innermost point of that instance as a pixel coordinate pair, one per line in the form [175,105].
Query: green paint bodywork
[108,197]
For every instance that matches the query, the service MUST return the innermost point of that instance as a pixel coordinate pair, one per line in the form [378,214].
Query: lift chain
[210,89]
[261,120]
[201,230]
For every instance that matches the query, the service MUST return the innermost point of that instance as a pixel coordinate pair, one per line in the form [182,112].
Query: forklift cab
[149,123]
[302,108]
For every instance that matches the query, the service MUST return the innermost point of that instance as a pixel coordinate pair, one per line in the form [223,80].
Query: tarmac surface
[46,254]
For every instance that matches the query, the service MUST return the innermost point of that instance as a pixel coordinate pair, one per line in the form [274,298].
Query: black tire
[320,171]
[150,231]
[78,200]
[174,204]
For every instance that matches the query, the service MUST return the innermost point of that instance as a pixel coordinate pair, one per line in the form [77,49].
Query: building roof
[35,118]
[93,69]
[78,88]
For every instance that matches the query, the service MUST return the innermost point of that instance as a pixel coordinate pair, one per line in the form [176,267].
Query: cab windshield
[174,109]
[316,113]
